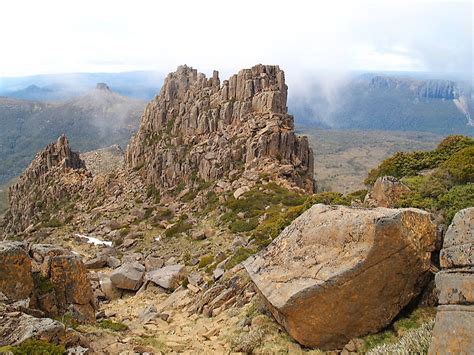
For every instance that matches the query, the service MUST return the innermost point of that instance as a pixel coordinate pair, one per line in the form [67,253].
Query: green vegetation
[33,346]
[153,193]
[28,126]
[447,188]
[205,261]
[42,284]
[409,324]
[53,223]
[268,208]
[240,255]
[405,164]
[182,226]
[414,341]
[111,325]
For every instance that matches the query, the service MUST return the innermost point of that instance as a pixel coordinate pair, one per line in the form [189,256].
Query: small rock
[97,262]
[217,274]
[240,191]
[153,263]
[168,277]
[113,262]
[128,276]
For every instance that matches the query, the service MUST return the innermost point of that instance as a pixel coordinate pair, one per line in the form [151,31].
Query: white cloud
[54,36]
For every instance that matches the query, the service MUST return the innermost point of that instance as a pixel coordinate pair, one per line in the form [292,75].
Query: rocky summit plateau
[207,235]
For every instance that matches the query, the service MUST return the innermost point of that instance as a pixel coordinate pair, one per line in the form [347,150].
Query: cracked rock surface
[338,272]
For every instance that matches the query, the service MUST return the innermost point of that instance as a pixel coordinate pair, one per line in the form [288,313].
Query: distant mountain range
[138,84]
[35,110]
[96,119]
[380,102]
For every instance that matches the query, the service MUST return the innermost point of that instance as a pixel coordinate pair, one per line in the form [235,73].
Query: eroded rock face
[385,192]
[48,278]
[337,272]
[16,281]
[453,332]
[198,128]
[55,173]
[15,330]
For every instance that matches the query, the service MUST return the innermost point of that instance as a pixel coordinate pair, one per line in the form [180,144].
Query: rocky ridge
[56,173]
[199,129]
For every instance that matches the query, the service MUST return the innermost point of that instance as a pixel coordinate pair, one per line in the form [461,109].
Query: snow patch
[95,241]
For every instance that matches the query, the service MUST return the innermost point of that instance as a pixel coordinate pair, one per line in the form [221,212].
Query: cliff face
[434,89]
[200,128]
[55,173]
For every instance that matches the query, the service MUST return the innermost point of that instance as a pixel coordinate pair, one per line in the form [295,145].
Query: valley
[342,158]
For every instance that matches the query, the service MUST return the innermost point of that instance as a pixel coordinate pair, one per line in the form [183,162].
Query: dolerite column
[453,332]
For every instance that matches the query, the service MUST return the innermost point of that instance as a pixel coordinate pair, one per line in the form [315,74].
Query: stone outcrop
[386,192]
[16,281]
[56,173]
[201,128]
[337,273]
[48,279]
[453,332]
[20,327]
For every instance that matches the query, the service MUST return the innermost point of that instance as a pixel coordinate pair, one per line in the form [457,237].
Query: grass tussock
[111,325]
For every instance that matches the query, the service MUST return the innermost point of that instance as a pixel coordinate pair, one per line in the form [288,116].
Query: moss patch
[111,325]
[34,346]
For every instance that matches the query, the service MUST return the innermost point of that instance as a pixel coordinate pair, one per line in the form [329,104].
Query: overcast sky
[50,36]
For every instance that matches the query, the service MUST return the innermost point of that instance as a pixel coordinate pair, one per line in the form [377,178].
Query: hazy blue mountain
[96,119]
[142,85]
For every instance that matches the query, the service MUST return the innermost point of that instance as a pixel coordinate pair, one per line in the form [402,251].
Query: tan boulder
[453,332]
[16,281]
[337,273]
[386,192]
[168,277]
[69,277]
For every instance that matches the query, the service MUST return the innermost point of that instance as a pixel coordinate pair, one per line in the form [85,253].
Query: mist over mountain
[98,118]
[385,102]
[141,85]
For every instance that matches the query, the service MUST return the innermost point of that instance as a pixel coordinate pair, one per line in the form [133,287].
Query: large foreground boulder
[453,332]
[337,272]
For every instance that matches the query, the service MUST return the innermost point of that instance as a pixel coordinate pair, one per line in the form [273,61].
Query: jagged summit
[102,86]
[198,127]
[39,187]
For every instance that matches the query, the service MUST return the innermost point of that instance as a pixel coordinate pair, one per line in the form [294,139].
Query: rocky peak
[102,87]
[200,127]
[52,175]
